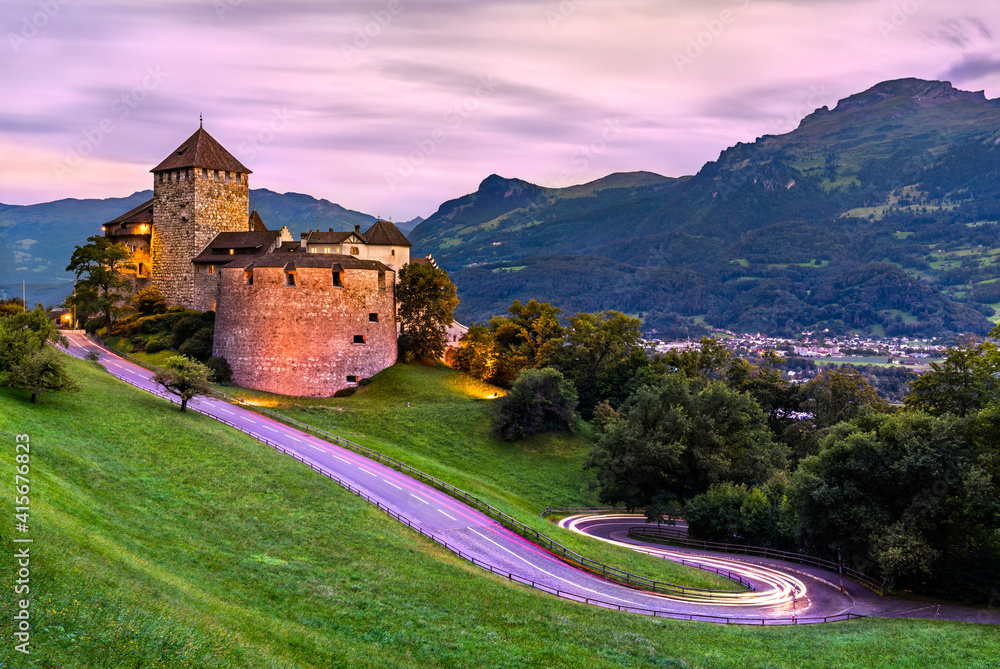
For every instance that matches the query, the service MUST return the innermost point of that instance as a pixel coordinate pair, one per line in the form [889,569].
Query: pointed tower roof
[384,233]
[255,223]
[201,150]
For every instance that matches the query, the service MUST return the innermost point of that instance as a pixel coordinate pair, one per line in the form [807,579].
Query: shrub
[138,344]
[93,324]
[199,345]
[149,301]
[156,345]
[540,400]
[221,371]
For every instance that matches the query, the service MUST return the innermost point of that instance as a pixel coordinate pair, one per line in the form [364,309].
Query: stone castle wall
[190,207]
[206,287]
[301,340]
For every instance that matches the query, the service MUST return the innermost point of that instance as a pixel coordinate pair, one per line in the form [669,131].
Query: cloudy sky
[393,106]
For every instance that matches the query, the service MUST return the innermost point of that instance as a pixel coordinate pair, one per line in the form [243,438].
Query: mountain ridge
[895,157]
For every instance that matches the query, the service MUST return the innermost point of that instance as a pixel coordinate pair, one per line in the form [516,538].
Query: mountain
[36,241]
[879,216]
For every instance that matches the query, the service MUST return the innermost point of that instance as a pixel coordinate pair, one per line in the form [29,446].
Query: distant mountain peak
[917,89]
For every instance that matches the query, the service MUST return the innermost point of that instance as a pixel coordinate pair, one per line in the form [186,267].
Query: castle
[304,318]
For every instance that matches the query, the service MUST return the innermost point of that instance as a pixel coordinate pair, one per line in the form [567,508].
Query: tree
[185,378]
[426,300]
[966,382]
[25,360]
[914,494]
[540,400]
[524,338]
[675,439]
[40,370]
[99,267]
[599,353]
[477,353]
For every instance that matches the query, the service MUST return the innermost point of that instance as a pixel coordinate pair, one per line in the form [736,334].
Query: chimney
[357,229]
[331,229]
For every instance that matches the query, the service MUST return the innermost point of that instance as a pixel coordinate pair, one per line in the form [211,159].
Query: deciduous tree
[185,378]
[676,439]
[426,300]
[540,400]
[101,286]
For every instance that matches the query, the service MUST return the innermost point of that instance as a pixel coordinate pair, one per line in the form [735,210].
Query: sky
[392,107]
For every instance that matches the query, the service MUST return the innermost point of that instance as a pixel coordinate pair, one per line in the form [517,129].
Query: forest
[910,494]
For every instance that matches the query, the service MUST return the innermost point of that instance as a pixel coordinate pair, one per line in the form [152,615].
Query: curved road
[781,592]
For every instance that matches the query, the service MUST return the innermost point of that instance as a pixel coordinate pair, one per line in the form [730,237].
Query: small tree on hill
[25,360]
[426,305]
[540,400]
[40,370]
[98,266]
[185,378]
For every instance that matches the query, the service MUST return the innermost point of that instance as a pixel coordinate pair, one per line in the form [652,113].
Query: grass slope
[168,540]
[445,431]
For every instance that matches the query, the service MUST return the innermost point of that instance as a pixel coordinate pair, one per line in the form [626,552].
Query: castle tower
[199,190]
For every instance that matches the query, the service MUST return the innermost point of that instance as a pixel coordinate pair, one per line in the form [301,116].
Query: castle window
[290,279]
[393,253]
[232,251]
[338,279]
[141,269]
[249,276]
[326,249]
[373,318]
[352,378]
[354,250]
[381,280]
[211,269]
[204,174]
[359,339]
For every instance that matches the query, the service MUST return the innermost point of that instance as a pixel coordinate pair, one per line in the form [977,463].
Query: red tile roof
[201,150]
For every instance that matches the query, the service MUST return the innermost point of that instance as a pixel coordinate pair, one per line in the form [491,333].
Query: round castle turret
[305,324]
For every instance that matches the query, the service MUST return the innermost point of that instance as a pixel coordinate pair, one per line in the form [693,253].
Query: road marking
[338,457]
[293,438]
[446,515]
[368,472]
[392,484]
[268,427]
[252,422]
[577,585]
[418,499]
[226,411]
[316,447]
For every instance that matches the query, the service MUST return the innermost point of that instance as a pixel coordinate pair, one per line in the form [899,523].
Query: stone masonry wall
[187,215]
[206,287]
[300,340]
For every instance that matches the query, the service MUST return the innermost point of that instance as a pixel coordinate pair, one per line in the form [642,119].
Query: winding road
[782,593]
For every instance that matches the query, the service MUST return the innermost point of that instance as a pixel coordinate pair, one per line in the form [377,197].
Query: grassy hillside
[164,540]
[445,431]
